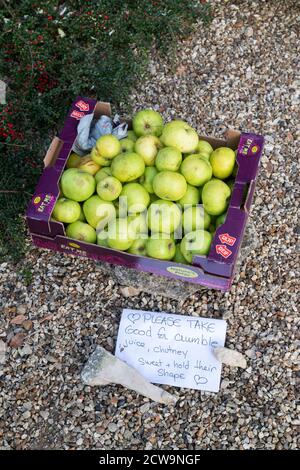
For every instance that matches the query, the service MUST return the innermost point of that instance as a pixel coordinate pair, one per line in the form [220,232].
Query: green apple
[88,165]
[215,195]
[235,169]
[204,148]
[119,235]
[135,197]
[230,183]
[102,161]
[222,161]
[180,135]
[81,231]
[221,219]
[163,216]
[66,210]
[147,147]
[81,217]
[194,218]
[138,247]
[153,197]
[127,145]
[212,229]
[121,211]
[73,160]
[131,135]
[185,155]
[98,212]
[205,156]
[102,237]
[147,178]
[127,167]
[77,185]
[138,225]
[191,197]
[109,188]
[60,193]
[147,122]
[168,158]
[200,193]
[195,243]
[160,246]
[196,170]
[179,258]
[106,148]
[103,173]
[169,185]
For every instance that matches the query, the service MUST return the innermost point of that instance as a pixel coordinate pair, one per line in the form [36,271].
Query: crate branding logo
[228,239]
[82,105]
[223,251]
[77,114]
[74,245]
[249,149]
[73,248]
[182,272]
[44,202]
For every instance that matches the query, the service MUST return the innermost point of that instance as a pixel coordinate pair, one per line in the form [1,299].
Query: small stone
[127,434]
[26,415]
[230,357]
[144,408]
[79,441]
[249,32]
[296,422]
[17,340]
[110,341]
[225,383]
[112,427]
[251,353]
[27,405]
[21,309]
[18,320]
[46,318]
[26,350]
[2,351]
[268,148]
[44,414]
[79,289]
[200,433]
[27,325]
[130,291]
[181,69]
[152,69]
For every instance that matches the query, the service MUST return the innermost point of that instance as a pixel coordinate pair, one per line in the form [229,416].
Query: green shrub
[48,55]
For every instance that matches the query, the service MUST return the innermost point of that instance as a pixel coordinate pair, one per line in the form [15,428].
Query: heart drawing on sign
[133,317]
[200,380]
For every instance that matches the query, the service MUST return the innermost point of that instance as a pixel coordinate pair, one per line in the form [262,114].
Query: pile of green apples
[160,192]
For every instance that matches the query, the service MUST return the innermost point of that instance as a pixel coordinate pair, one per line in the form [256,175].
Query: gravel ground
[239,72]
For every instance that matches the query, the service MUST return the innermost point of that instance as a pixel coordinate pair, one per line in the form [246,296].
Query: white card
[172,349]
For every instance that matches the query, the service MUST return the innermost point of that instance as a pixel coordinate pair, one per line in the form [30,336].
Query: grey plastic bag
[89,131]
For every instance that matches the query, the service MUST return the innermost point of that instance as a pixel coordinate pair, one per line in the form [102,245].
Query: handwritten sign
[172,349]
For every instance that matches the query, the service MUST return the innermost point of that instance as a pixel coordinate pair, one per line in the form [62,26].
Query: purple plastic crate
[214,271]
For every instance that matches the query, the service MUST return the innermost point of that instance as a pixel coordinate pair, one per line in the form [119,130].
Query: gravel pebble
[112,427]
[239,72]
